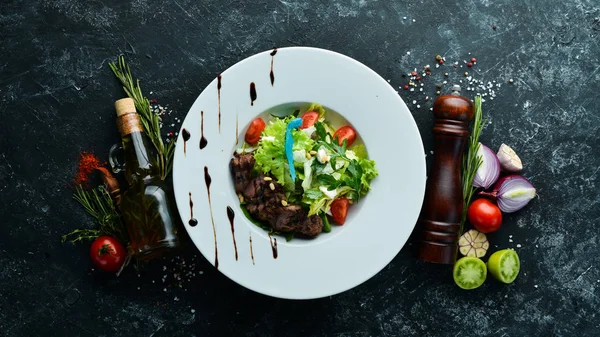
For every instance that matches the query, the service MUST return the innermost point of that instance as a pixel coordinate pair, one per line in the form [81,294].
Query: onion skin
[489,171]
[511,193]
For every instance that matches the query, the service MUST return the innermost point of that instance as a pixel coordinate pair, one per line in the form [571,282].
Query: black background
[56,100]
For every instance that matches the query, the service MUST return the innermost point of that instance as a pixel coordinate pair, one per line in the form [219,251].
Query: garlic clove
[473,243]
[509,161]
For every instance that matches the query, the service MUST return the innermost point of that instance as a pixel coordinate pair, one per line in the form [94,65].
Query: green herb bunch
[99,204]
[471,161]
[150,120]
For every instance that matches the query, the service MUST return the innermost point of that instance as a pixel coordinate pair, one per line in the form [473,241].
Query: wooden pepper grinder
[439,223]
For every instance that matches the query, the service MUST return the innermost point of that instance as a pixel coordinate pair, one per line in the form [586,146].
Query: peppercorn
[473,59]
[469,64]
[406,87]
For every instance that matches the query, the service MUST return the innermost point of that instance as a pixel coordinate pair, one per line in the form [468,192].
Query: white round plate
[376,228]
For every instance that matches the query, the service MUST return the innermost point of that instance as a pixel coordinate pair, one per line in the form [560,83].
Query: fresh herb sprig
[99,204]
[471,161]
[150,120]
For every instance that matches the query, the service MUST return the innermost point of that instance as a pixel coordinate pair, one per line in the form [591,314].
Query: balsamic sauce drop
[231,216]
[237,138]
[271,74]
[193,222]
[186,136]
[208,180]
[219,99]
[203,141]
[251,250]
[252,93]
[273,246]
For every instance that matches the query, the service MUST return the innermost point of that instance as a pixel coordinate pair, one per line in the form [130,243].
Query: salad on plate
[298,174]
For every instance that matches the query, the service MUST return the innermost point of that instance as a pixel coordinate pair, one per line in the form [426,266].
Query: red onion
[512,193]
[489,171]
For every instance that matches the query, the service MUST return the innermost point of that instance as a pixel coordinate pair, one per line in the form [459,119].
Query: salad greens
[326,169]
[270,154]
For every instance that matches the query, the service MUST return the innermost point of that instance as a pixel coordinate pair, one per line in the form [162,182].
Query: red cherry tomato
[345,132]
[309,119]
[254,130]
[339,210]
[484,215]
[108,254]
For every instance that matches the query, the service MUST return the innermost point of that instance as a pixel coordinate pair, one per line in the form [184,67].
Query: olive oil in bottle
[146,205]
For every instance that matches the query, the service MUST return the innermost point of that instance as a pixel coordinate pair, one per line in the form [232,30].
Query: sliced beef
[264,196]
[263,211]
[311,226]
[241,166]
[259,190]
[264,203]
[289,219]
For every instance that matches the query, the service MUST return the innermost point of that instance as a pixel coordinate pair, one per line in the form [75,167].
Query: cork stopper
[125,106]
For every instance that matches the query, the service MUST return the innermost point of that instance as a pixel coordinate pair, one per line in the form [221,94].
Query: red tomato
[108,254]
[254,130]
[339,210]
[345,132]
[309,119]
[484,215]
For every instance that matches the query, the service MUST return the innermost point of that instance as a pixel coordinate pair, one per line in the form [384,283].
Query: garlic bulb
[509,161]
[473,243]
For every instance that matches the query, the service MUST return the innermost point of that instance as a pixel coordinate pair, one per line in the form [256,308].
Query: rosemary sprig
[98,203]
[150,120]
[471,161]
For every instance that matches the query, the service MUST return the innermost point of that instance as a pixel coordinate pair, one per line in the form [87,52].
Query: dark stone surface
[56,95]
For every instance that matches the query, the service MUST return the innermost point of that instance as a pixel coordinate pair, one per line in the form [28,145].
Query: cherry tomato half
[254,130]
[484,215]
[339,210]
[345,132]
[108,254]
[309,119]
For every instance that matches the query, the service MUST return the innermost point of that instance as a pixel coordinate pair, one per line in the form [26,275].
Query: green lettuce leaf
[360,151]
[270,154]
[317,108]
[368,173]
